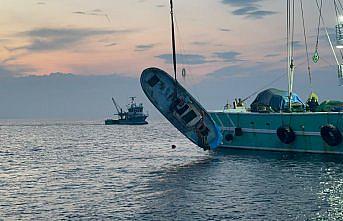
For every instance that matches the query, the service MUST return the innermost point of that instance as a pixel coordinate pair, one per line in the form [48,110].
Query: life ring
[331,135]
[286,135]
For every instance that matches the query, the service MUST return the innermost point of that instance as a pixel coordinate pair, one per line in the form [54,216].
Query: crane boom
[116,105]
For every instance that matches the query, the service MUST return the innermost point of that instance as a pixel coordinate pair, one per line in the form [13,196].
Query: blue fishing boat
[278,120]
[133,116]
[180,108]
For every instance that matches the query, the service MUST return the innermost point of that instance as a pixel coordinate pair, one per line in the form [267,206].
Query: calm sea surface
[85,171]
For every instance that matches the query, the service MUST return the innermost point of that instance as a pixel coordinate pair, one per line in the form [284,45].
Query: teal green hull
[259,130]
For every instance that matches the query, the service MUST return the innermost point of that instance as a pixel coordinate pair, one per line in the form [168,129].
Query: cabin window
[189,116]
[182,109]
[153,81]
[205,131]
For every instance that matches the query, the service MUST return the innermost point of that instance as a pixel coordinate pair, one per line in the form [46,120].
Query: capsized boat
[133,116]
[180,108]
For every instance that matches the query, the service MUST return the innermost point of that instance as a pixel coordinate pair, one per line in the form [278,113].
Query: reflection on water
[85,170]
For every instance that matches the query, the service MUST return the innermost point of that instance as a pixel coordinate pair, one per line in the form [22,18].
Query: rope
[184,60]
[292,43]
[336,10]
[292,50]
[264,87]
[306,47]
[340,4]
[337,19]
[288,51]
[319,21]
[326,31]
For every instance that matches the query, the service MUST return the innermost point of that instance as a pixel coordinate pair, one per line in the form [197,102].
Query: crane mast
[117,106]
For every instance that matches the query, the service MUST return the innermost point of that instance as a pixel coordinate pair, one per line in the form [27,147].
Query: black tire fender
[286,134]
[331,135]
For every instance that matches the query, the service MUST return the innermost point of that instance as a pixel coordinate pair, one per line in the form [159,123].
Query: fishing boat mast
[290,50]
[173,43]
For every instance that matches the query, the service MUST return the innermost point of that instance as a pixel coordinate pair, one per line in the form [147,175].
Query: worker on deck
[312,102]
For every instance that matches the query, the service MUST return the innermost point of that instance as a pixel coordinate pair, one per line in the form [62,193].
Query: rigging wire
[306,46]
[287,30]
[326,32]
[319,22]
[184,60]
[292,41]
[336,10]
[264,87]
[337,19]
[330,65]
[292,66]
[290,47]
[340,4]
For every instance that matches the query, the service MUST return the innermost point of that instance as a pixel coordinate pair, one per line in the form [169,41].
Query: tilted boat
[279,120]
[178,106]
[133,116]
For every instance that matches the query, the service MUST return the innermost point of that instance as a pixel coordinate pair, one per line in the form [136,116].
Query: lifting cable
[305,38]
[326,32]
[184,61]
[338,12]
[340,4]
[315,57]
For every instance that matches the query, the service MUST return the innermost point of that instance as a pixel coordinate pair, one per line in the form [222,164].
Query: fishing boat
[133,116]
[178,106]
[278,120]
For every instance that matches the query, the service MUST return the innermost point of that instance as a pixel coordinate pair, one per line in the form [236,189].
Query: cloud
[224,29]
[191,59]
[200,43]
[144,47]
[298,44]
[248,8]
[61,95]
[15,70]
[11,58]
[5,72]
[240,3]
[239,71]
[252,12]
[47,39]
[271,55]
[95,12]
[80,13]
[227,55]
[111,44]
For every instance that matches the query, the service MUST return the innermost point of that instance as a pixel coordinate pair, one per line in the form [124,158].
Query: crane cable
[326,32]
[315,57]
[306,47]
[337,11]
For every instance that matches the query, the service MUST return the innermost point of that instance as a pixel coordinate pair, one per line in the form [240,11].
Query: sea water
[84,170]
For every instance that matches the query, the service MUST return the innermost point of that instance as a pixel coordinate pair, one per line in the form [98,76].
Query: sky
[221,41]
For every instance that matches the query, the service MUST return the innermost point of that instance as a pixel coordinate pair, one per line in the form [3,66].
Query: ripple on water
[85,170]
